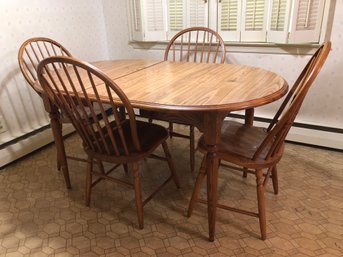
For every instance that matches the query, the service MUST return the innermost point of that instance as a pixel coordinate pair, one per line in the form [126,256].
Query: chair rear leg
[245,172]
[191,147]
[249,116]
[197,186]
[89,180]
[138,194]
[275,180]
[170,164]
[261,203]
[171,129]
[62,163]
[58,163]
[126,168]
[58,157]
[101,166]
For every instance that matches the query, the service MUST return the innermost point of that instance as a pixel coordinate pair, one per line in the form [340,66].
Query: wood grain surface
[198,86]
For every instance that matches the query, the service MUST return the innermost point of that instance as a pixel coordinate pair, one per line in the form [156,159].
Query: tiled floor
[40,217]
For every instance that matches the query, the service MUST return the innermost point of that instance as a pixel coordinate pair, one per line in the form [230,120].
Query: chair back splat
[196,44]
[285,116]
[33,51]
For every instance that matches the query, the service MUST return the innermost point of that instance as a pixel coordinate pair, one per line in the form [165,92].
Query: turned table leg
[212,128]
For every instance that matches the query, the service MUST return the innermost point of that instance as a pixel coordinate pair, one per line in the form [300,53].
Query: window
[274,21]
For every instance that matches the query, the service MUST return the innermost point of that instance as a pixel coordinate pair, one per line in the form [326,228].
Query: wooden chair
[73,85]
[196,44]
[31,52]
[257,148]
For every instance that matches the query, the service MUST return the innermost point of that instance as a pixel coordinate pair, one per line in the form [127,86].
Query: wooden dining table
[198,94]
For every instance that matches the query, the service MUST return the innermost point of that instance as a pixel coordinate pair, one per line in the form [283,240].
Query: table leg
[212,128]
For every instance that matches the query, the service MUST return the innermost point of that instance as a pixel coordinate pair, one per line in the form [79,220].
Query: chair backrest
[196,44]
[75,87]
[33,51]
[285,116]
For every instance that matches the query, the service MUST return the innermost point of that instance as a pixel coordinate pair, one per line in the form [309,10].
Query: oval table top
[182,86]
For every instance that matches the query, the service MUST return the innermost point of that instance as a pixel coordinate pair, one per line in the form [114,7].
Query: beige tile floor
[40,217]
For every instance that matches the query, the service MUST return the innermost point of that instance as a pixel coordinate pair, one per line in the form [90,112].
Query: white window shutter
[154,20]
[278,20]
[136,24]
[306,21]
[197,13]
[254,20]
[229,17]
[176,16]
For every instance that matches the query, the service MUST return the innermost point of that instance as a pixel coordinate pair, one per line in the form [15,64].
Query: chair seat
[150,135]
[239,143]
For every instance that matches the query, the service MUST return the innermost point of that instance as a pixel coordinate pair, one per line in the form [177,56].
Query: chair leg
[249,117]
[62,163]
[197,186]
[192,148]
[126,168]
[170,164]
[59,165]
[138,195]
[101,166]
[89,181]
[245,173]
[171,129]
[261,203]
[275,180]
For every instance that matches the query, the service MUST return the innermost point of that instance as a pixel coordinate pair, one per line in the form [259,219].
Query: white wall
[79,25]
[116,21]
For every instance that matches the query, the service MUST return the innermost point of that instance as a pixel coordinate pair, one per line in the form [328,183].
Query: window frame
[239,46]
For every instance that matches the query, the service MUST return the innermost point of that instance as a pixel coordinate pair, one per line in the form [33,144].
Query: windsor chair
[256,148]
[31,52]
[74,86]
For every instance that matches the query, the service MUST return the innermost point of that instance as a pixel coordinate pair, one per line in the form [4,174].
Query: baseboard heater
[25,144]
[308,134]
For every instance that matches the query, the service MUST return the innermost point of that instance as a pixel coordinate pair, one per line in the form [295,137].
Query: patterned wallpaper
[324,103]
[79,25]
[98,29]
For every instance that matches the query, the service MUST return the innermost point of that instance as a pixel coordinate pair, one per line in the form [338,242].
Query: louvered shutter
[229,16]
[197,13]
[279,19]
[154,20]
[307,21]
[254,20]
[136,24]
[176,16]
[149,20]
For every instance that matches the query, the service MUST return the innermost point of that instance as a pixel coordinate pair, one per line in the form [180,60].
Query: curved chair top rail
[33,51]
[196,44]
[285,116]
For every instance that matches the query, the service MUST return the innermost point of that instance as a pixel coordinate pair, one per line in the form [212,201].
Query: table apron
[194,118]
